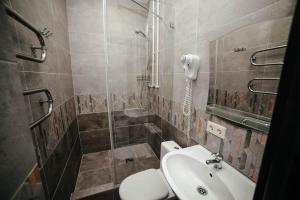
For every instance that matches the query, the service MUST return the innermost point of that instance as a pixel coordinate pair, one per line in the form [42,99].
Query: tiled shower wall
[242,148]
[56,140]
[126,50]
[86,47]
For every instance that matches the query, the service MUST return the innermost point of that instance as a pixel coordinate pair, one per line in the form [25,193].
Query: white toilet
[149,184]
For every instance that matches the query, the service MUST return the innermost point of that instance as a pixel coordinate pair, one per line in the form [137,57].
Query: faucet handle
[218,156]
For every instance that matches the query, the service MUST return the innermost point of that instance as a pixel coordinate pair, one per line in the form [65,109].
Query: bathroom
[121,99]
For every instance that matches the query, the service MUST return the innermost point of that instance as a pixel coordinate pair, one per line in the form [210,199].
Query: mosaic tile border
[86,104]
[245,101]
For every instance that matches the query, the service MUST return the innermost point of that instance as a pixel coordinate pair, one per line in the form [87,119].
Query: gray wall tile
[17,151]
[54,74]
[8,39]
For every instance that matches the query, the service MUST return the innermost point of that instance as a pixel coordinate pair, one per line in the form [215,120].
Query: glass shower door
[128,65]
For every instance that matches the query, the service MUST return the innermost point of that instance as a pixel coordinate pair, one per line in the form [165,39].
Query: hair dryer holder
[190,65]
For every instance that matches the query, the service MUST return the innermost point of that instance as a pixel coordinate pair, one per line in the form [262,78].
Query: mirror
[232,73]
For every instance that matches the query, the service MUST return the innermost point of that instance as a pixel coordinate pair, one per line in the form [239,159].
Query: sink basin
[190,178]
[136,112]
[199,180]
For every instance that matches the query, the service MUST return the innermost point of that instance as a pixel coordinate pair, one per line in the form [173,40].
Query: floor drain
[202,190]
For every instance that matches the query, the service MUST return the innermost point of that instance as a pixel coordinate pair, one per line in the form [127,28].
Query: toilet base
[172,195]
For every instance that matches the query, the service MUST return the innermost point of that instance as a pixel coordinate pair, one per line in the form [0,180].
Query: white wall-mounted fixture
[154,83]
[157,44]
[190,65]
[153,47]
[216,129]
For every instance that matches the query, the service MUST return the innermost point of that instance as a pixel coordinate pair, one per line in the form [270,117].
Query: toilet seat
[145,185]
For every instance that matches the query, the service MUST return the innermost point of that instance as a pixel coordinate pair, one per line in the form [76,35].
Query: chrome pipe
[157,46]
[49,101]
[14,14]
[253,56]
[250,85]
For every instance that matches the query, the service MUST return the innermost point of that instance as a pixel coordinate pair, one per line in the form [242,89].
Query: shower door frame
[109,91]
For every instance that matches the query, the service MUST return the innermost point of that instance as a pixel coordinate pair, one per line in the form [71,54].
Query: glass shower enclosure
[132,35]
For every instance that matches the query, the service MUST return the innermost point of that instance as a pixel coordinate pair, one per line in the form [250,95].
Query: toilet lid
[145,185]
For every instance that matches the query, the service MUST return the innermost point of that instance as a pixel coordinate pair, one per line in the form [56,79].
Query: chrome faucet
[218,159]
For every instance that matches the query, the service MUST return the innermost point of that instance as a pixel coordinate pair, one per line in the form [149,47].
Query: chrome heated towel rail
[49,101]
[250,85]
[253,56]
[254,63]
[39,34]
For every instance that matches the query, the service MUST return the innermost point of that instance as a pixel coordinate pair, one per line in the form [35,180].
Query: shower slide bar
[253,56]
[251,84]
[49,101]
[39,34]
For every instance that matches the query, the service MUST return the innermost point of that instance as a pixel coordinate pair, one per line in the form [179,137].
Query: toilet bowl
[149,184]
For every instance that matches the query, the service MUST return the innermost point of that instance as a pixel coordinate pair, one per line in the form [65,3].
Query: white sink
[136,112]
[188,176]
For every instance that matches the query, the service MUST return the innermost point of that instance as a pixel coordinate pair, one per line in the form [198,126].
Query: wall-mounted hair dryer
[191,66]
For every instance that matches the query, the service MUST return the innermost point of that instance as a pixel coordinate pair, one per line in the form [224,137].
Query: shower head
[141,33]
